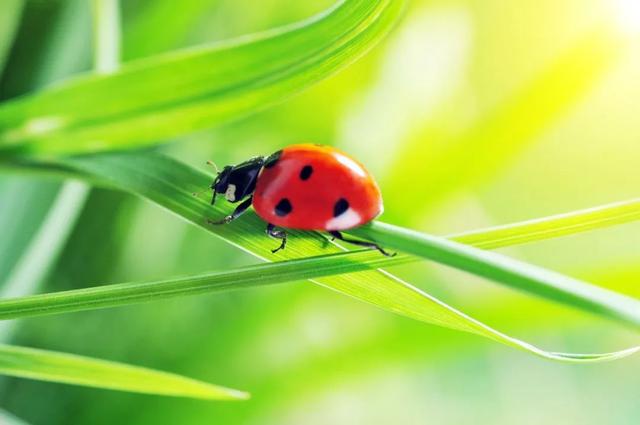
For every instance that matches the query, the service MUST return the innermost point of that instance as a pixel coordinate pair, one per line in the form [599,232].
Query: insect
[305,186]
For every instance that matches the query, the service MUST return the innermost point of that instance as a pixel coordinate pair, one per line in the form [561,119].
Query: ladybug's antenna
[213,164]
[213,186]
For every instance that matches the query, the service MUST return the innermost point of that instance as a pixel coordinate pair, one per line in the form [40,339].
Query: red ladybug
[309,187]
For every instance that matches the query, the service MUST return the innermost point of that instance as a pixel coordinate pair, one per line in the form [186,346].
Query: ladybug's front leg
[278,234]
[244,206]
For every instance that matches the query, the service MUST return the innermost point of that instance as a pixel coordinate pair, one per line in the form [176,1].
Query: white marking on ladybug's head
[230,194]
[346,220]
[351,164]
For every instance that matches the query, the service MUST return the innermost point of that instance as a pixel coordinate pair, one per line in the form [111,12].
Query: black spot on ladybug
[283,208]
[340,207]
[272,159]
[306,172]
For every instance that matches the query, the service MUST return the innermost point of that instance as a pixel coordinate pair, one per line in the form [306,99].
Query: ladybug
[305,186]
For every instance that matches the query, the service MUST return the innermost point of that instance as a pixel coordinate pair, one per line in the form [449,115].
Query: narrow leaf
[246,277]
[552,227]
[52,366]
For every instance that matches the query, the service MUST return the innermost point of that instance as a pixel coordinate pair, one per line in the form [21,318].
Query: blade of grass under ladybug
[154,99]
[518,233]
[171,185]
[59,367]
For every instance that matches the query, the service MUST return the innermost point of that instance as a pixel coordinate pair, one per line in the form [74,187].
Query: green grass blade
[247,277]
[52,366]
[171,185]
[513,273]
[162,97]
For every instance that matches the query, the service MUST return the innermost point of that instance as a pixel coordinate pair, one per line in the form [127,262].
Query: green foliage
[173,94]
[72,128]
[172,185]
[237,78]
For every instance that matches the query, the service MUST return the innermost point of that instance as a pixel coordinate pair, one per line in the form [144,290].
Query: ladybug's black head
[221,182]
[238,181]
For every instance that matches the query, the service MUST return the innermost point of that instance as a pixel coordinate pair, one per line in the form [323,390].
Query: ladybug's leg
[278,234]
[244,206]
[337,235]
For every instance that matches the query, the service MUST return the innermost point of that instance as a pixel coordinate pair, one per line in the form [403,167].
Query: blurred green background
[470,114]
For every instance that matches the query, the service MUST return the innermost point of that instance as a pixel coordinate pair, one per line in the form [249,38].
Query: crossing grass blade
[52,366]
[552,227]
[172,184]
[156,99]
[114,295]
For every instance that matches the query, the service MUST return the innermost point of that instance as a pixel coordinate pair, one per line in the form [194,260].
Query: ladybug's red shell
[315,187]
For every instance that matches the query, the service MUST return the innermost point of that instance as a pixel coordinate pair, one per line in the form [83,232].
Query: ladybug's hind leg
[241,209]
[337,235]
[277,234]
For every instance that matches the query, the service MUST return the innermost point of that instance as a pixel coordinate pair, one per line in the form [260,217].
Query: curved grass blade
[52,366]
[171,184]
[166,96]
